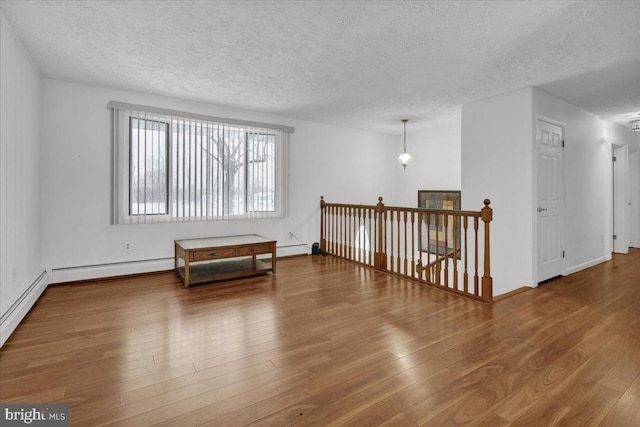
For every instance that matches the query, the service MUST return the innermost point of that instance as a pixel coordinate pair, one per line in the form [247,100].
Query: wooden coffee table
[218,258]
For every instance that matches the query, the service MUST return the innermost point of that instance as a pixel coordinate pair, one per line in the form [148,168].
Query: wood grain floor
[326,342]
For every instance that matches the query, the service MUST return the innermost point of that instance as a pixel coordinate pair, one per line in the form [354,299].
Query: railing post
[323,240]
[487,280]
[380,255]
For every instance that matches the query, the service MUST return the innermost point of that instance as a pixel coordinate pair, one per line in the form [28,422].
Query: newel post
[323,240]
[487,280]
[380,255]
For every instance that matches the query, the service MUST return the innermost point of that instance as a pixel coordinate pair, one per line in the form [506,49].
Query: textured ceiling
[358,64]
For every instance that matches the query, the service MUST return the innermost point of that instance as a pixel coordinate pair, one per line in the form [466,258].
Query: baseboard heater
[10,320]
[124,268]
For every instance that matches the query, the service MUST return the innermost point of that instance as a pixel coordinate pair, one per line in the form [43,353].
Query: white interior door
[549,138]
[621,200]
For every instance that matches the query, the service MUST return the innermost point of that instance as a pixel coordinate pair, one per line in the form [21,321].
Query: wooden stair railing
[437,264]
[437,247]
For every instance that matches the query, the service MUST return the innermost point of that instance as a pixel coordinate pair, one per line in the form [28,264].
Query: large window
[170,167]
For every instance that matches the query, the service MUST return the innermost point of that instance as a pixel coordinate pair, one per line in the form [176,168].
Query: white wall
[344,165]
[435,165]
[20,237]
[497,164]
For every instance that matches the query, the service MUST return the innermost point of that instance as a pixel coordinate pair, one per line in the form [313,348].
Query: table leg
[273,260]
[186,269]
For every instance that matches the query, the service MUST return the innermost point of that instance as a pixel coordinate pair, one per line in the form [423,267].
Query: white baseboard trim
[101,271]
[14,315]
[587,264]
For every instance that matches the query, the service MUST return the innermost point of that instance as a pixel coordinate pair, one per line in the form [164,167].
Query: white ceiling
[358,64]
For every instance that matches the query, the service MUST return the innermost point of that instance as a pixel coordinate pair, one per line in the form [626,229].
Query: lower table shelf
[226,269]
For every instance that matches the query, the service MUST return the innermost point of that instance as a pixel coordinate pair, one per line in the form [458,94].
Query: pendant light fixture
[405,157]
[635,125]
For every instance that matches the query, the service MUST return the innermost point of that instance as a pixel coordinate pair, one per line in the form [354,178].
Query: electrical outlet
[127,246]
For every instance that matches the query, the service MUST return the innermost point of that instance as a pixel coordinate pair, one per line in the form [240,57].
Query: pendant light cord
[404,121]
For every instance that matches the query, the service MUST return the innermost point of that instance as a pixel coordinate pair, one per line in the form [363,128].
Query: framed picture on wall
[435,238]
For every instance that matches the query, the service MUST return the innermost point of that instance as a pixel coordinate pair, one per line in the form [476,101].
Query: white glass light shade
[404,158]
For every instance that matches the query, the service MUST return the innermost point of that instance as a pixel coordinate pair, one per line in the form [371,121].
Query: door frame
[534,203]
[634,199]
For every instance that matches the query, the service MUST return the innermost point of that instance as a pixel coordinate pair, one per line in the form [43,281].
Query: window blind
[170,166]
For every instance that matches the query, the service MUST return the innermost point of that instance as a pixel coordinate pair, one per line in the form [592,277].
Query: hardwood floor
[326,342]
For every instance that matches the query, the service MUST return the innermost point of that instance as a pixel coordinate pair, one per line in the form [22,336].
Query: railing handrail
[450,212]
[449,254]
[341,225]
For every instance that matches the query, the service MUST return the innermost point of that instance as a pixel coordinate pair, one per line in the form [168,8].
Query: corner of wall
[20,178]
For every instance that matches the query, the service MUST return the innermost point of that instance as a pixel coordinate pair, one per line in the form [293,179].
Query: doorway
[634,199]
[620,199]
